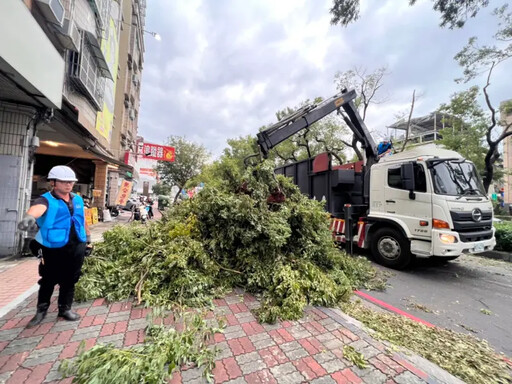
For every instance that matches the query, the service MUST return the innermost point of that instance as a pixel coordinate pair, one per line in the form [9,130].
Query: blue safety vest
[55,224]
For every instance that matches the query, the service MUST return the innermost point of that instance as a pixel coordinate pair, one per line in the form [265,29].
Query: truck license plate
[479,247]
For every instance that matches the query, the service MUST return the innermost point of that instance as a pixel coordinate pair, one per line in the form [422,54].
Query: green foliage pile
[229,236]
[503,236]
[163,351]
[464,356]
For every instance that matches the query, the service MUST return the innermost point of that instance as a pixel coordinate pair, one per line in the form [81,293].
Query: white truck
[426,201]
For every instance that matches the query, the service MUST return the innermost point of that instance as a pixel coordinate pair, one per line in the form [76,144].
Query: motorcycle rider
[62,242]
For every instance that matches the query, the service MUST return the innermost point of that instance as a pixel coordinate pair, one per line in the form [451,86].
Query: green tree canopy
[228,168]
[161,189]
[466,125]
[454,13]
[326,135]
[477,60]
[189,160]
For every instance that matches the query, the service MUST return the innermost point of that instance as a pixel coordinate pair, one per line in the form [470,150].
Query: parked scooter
[143,214]
[139,213]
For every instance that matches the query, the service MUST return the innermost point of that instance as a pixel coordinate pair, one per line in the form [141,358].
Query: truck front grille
[470,230]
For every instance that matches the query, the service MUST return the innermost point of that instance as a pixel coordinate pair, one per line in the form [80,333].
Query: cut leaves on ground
[464,356]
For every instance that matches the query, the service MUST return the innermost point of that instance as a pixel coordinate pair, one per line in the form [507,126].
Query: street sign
[157,152]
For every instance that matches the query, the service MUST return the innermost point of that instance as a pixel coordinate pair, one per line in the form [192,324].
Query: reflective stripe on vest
[55,224]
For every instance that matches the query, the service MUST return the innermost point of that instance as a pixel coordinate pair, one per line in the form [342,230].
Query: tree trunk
[176,197]
[490,158]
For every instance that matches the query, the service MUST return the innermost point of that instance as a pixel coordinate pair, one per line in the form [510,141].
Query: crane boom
[309,114]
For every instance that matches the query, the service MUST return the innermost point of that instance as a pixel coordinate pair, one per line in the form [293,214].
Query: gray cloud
[223,68]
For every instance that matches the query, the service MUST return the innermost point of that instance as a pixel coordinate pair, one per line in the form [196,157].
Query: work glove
[28,222]
[89,247]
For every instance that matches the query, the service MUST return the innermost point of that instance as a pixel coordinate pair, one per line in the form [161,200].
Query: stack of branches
[230,235]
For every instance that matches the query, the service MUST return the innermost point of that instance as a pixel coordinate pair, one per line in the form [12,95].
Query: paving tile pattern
[306,351]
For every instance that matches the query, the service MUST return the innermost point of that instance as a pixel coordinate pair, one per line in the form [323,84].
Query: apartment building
[61,64]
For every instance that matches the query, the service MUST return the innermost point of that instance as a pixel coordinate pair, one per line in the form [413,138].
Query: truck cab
[427,201]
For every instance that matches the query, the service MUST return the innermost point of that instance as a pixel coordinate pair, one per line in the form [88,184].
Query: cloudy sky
[224,67]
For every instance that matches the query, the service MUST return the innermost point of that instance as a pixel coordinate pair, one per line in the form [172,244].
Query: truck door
[415,214]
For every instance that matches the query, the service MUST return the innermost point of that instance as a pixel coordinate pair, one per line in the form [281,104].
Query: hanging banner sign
[124,193]
[147,171]
[157,152]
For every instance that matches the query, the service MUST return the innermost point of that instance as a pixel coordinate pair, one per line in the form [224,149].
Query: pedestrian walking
[62,242]
[150,207]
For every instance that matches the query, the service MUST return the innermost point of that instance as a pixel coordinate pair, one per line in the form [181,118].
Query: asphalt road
[471,294]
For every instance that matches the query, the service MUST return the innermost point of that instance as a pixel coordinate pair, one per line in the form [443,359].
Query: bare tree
[367,86]
[408,132]
[476,60]
[493,154]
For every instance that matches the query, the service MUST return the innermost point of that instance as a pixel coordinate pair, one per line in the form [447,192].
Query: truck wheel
[391,249]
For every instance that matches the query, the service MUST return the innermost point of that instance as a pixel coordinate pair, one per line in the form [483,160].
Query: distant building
[127,97]
[507,157]
[424,129]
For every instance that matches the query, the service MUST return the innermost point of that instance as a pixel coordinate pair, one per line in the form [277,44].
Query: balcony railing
[419,138]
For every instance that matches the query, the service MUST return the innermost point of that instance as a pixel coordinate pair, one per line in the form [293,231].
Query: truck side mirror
[407,176]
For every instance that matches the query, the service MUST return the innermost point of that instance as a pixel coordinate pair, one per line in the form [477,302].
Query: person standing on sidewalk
[62,242]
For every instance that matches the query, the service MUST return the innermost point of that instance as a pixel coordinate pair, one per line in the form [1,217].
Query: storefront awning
[66,128]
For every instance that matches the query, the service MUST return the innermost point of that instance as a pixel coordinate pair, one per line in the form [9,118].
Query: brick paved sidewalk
[305,351]
[19,275]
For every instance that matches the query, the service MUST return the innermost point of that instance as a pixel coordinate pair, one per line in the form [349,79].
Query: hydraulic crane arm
[309,114]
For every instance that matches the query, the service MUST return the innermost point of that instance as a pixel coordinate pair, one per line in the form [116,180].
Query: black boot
[66,313]
[42,309]
[66,293]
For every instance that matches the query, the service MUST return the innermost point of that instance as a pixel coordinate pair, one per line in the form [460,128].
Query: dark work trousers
[61,266]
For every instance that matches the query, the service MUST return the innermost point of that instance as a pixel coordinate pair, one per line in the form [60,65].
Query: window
[420,179]
[394,178]
[87,76]
[456,178]
[88,69]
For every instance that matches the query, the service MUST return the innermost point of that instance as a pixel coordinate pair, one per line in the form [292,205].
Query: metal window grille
[86,74]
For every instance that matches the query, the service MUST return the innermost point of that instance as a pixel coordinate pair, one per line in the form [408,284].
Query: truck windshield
[455,177]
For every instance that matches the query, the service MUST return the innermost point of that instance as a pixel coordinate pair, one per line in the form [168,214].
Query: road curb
[18,300]
[496,255]
[435,373]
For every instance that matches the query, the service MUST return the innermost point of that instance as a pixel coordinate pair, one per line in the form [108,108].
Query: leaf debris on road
[463,355]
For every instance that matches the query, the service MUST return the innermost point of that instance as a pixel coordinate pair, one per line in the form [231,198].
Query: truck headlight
[447,239]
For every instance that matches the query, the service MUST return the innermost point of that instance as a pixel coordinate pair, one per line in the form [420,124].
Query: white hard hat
[62,173]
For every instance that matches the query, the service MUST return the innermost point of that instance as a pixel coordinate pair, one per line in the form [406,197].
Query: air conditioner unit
[132,114]
[69,35]
[127,103]
[53,10]
[135,80]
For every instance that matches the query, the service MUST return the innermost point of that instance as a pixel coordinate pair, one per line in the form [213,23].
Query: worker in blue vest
[62,242]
